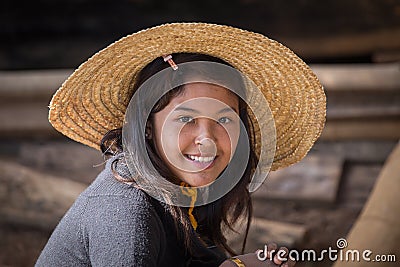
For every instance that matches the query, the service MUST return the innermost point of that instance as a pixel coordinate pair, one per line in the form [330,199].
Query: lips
[201,162]
[201,158]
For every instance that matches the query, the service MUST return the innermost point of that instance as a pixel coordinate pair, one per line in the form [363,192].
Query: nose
[205,138]
[205,130]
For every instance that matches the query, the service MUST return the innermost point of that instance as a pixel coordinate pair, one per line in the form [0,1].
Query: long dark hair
[214,216]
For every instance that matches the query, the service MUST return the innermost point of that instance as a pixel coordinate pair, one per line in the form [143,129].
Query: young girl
[193,116]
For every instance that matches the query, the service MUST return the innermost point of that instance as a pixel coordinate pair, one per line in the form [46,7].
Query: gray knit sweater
[114,224]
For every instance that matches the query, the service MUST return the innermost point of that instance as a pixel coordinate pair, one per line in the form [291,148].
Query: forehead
[203,91]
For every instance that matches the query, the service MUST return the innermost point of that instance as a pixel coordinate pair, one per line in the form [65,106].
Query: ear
[148,133]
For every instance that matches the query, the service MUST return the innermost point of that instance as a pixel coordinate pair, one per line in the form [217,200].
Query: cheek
[167,138]
[235,138]
[185,138]
[162,133]
[174,139]
[228,138]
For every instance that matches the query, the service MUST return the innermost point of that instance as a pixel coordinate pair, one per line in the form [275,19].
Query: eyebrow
[227,109]
[186,109]
[224,110]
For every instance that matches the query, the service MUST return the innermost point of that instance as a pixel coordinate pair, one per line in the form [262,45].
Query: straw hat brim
[94,98]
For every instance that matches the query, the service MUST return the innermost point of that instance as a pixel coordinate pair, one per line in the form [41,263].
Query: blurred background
[352,45]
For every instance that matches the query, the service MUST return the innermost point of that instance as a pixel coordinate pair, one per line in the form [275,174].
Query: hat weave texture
[94,98]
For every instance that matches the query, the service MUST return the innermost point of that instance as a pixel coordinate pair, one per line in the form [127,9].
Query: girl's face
[197,133]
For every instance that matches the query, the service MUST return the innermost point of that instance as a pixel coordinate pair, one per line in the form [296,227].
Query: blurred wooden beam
[24,118]
[296,183]
[31,84]
[333,45]
[334,77]
[365,129]
[32,198]
[359,77]
[386,56]
[362,101]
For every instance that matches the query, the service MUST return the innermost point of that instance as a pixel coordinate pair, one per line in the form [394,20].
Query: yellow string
[191,192]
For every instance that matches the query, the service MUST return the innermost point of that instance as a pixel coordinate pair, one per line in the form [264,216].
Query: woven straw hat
[94,98]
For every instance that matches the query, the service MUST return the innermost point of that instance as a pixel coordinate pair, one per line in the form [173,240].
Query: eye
[224,120]
[186,119]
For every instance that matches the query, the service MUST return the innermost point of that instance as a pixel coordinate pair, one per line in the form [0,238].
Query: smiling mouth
[201,159]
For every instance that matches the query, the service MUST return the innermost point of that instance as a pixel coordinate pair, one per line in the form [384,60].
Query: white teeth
[201,159]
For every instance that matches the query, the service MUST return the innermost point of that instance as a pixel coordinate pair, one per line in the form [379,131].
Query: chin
[200,181]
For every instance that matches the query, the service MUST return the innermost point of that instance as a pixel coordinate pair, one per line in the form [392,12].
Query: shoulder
[110,223]
[106,194]
[108,203]
[107,187]
[131,214]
